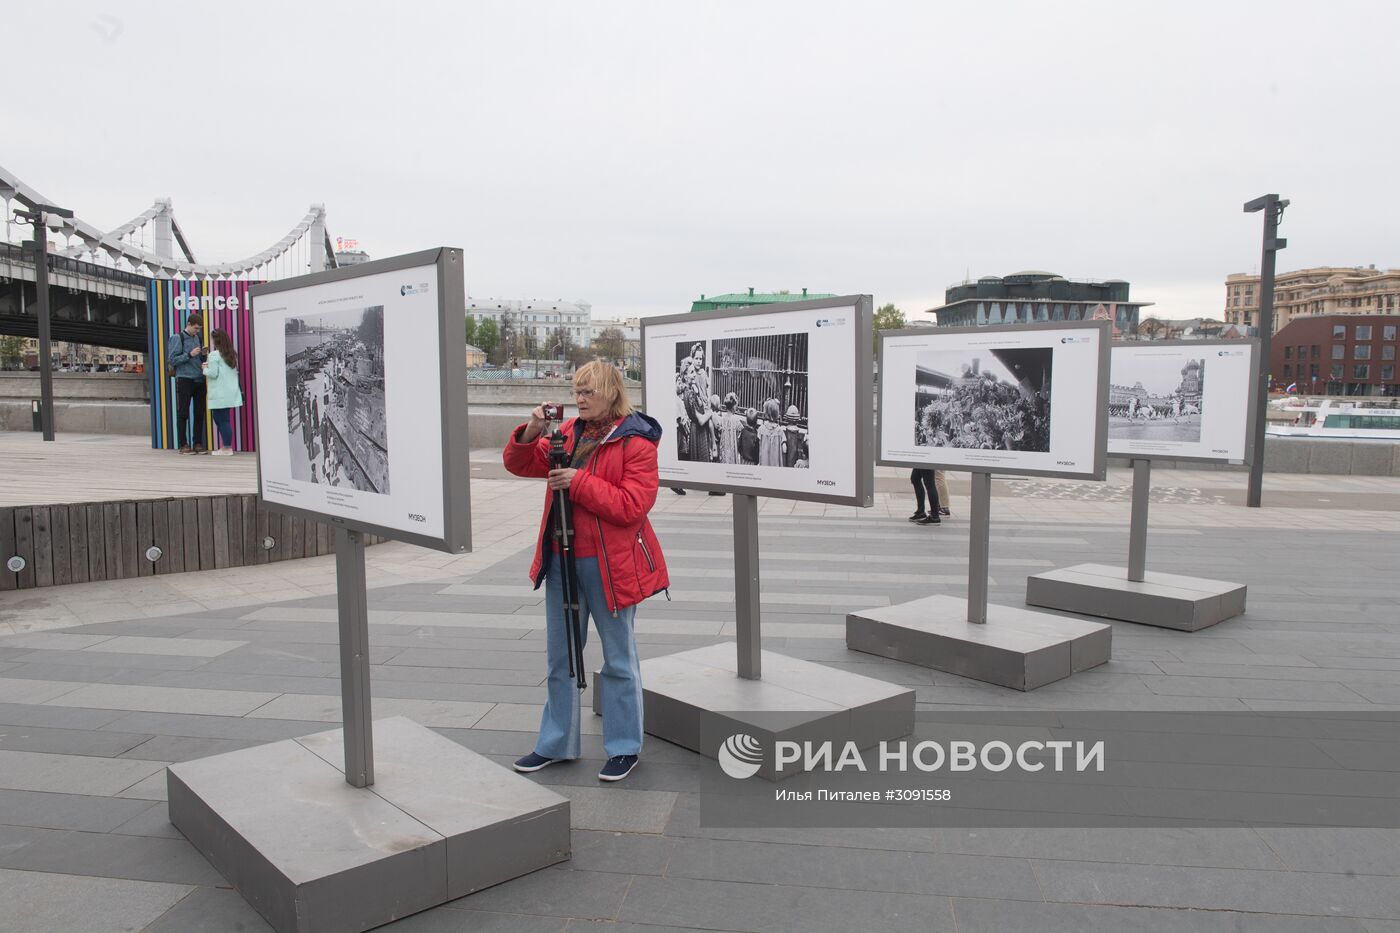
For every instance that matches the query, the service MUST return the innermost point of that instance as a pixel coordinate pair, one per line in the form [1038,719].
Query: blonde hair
[605,380]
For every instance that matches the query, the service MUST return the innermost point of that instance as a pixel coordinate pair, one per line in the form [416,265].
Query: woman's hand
[560,479]
[537,424]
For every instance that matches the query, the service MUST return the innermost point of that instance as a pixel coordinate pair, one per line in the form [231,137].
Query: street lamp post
[1272,206]
[38,215]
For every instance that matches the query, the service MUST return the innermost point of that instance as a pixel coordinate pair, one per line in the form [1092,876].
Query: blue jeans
[620,679]
[224,424]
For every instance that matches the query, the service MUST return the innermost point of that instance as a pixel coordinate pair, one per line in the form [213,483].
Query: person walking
[612,483]
[925,489]
[184,360]
[223,391]
[940,483]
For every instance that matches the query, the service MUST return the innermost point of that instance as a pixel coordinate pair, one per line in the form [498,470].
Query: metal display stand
[317,834]
[699,698]
[1003,645]
[352,608]
[1166,600]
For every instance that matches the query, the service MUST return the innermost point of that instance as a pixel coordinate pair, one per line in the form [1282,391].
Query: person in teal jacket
[221,376]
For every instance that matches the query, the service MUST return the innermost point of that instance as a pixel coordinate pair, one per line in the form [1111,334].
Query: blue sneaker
[618,767]
[533,762]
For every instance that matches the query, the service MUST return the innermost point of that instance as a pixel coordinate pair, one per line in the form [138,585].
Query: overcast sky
[636,155]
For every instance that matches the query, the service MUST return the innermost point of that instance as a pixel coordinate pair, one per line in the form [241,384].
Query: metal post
[352,602]
[979,548]
[315,239]
[163,229]
[41,308]
[1272,206]
[1137,529]
[746,590]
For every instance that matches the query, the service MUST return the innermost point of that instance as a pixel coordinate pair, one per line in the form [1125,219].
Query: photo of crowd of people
[743,401]
[335,399]
[983,399]
[1163,403]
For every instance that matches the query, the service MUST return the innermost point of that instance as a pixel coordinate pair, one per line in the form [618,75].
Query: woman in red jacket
[612,483]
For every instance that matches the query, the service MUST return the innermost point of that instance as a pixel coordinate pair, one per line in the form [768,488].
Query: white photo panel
[1016,400]
[349,400]
[762,401]
[1181,400]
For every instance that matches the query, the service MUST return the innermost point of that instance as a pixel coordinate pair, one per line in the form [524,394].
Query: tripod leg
[575,616]
[574,620]
[568,593]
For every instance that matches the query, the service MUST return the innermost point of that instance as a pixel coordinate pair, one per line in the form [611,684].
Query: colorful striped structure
[224,304]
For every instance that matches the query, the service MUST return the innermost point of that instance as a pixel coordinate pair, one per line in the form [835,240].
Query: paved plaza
[104,684]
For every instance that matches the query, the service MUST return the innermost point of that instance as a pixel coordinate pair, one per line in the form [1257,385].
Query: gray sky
[635,155]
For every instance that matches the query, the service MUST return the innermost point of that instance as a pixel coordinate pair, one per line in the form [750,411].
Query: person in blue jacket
[186,358]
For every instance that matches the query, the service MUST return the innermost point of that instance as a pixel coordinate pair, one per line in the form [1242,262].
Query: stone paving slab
[163,699]
[72,774]
[51,902]
[471,661]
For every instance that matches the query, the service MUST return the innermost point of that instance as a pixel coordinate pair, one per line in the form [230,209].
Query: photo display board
[360,381]
[1020,400]
[1183,400]
[772,401]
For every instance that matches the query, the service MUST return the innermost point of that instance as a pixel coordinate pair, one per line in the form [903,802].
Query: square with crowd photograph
[336,424]
[744,401]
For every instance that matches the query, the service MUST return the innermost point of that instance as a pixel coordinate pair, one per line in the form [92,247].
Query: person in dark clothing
[186,358]
[748,439]
[924,488]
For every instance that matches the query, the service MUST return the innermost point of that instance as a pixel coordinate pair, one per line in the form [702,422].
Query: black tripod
[568,570]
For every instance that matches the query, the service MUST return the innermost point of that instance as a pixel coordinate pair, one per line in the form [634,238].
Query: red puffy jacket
[611,495]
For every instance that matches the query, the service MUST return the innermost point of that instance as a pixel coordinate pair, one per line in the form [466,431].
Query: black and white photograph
[336,423]
[1163,401]
[983,399]
[743,401]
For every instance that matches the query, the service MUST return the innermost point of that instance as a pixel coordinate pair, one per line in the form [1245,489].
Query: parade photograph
[983,399]
[743,401]
[1156,397]
[335,399]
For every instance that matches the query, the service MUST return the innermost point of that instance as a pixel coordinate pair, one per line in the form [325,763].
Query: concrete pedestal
[313,854]
[696,699]
[1167,600]
[1015,648]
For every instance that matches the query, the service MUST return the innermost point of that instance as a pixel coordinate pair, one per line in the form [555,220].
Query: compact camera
[553,412]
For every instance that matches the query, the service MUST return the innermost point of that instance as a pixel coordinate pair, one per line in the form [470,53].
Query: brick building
[1340,354]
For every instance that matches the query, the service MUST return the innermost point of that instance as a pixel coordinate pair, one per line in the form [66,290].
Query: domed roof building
[1035,295]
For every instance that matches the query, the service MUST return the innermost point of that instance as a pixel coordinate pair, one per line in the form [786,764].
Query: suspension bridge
[99,279]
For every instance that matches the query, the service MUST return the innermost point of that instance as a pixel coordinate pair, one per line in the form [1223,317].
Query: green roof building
[740,300]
